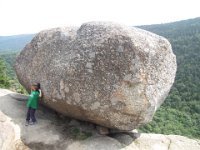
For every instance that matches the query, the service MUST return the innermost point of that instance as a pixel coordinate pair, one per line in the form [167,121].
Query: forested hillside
[4,80]
[180,113]
[10,46]
[14,43]
[8,77]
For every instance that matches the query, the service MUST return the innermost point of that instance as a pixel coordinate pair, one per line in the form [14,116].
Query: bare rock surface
[10,138]
[54,132]
[105,73]
[163,142]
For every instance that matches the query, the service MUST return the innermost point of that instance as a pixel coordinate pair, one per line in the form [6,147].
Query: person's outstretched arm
[40,95]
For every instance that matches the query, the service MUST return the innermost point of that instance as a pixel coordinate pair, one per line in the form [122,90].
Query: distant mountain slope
[179,28]
[14,43]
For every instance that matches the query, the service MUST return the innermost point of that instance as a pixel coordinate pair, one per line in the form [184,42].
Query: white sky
[31,16]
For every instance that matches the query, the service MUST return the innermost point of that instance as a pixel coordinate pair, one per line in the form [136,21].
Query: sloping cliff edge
[53,132]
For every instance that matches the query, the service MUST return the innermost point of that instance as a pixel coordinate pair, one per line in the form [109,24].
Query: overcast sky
[31,16]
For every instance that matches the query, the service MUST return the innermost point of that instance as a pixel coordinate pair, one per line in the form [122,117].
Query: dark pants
[31,114]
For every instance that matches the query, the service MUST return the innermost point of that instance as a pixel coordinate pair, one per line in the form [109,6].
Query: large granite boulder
[109,74]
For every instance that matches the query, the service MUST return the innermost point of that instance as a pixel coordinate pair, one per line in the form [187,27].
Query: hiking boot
[27,123]
[32,123]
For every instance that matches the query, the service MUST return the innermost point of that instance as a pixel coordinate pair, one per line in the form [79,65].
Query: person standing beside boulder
[32,104]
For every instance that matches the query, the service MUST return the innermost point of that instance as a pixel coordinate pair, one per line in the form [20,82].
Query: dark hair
[38,85]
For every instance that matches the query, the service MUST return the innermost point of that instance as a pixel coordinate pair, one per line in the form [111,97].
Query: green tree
[4,80]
